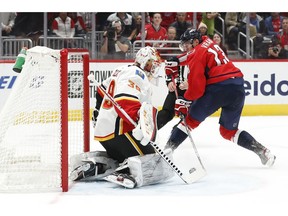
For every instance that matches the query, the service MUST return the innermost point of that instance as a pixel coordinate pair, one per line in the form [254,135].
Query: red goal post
[71,56]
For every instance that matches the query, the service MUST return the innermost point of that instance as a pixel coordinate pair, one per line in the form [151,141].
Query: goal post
[45,120]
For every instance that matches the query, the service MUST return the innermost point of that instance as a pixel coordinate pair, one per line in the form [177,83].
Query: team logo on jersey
[139,73]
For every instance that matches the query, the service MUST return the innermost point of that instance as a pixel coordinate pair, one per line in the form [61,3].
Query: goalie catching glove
[181,106]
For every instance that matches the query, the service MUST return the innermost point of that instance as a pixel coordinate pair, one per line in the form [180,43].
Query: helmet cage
[144,56]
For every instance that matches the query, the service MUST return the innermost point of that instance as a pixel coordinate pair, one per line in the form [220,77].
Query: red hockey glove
[171,71]
[171,66]
[182,106]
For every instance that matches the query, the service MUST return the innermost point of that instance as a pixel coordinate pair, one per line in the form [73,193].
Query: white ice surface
[236,182]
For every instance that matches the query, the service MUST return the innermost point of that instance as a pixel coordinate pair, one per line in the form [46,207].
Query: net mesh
[30,126]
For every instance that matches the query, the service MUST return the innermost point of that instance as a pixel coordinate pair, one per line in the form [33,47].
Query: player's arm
[196,80]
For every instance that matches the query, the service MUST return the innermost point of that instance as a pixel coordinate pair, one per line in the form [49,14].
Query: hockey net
[45,120]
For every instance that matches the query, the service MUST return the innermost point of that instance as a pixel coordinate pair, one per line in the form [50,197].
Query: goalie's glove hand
[94,117]
[181,106]
[138,134]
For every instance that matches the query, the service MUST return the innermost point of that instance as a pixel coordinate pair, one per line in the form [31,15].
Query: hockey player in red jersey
[214,82]
[130,87]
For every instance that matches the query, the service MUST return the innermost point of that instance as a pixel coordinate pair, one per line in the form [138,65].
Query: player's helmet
[146,54]
[188,36]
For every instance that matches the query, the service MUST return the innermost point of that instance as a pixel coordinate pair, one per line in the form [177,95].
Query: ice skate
[267,158]
[247,141]
[122,179]
[85,170]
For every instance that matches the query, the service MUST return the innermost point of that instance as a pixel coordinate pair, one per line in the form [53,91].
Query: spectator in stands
[63,26]
[202,28]
[29,25]
[80,27]
[181,24]
[208,18]
[273,23]
[283,35]
[171,33]
[233,25]
[7,22]
[154,31]
[147,16]
[128,22]
[115,45]
[87,19]
[275,51]
[138,19]
[167,19]
[255,23]
[218,40]
[257,28]
[171,49]
[51,16]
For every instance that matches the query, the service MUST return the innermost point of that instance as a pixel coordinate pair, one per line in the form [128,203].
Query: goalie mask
[188,37]
[149,61]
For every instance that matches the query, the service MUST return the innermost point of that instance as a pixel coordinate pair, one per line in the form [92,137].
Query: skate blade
[271,161]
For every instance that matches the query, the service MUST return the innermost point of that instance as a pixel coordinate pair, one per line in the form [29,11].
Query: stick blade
[194,174]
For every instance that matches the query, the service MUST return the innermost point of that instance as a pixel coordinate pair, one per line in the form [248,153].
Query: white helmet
[146,54]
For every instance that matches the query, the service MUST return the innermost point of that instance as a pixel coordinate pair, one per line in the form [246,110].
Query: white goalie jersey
[130,87]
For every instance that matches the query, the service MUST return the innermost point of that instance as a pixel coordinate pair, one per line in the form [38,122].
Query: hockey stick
[186,178]
[182,117]
[191,140]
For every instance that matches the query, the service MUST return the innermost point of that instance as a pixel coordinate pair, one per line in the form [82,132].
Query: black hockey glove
[94,117]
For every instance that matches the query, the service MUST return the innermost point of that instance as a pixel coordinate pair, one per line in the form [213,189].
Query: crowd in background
[268,32]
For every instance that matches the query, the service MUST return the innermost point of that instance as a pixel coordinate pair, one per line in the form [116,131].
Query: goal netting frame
[45,120]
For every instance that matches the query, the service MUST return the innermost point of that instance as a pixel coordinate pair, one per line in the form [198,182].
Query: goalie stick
[189,178]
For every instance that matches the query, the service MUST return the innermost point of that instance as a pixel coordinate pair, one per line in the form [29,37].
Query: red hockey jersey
[207,64]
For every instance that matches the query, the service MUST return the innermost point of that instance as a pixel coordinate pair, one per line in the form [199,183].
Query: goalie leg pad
[149,169]
[96,164]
